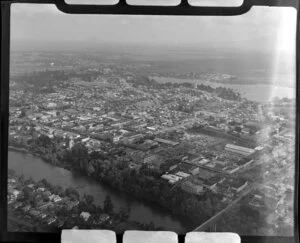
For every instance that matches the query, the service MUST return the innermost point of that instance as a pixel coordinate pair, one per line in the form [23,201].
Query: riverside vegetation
[144,184]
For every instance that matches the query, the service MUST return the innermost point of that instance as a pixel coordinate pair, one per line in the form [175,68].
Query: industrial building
[239,150]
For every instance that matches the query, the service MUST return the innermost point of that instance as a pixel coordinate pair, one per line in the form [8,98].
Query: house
[14,193]
[203,161]
[9,201]
[85,216]
[45,205]
[43,215]
[119,124]
[30,186]
[194,170]
[51,220]
[10,180]
[182,174]
[171,178]
[151,128]
[55,198]
[173,167]
[51,105]
[40,189]
[18,205]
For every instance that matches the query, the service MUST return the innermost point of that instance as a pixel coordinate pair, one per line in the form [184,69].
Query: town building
[85,216]
[192,188]
[182,174]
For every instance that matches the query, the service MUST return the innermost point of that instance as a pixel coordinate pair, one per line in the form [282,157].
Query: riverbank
[12,148]
[143,183]
[114,186]
[27,151]
[141,211]
[29,204]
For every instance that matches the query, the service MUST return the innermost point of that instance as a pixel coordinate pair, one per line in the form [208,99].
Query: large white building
[239,150]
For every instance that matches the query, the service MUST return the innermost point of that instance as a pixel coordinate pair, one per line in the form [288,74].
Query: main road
[251,188]
[217,216]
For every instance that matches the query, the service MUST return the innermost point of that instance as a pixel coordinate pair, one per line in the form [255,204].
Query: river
[29,165]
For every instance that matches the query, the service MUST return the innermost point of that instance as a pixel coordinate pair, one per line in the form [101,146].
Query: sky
[261,29]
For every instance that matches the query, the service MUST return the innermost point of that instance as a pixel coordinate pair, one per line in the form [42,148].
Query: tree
[238,128]
[11,172]
[108,206]
[63,212]
[99,210]
[46,183]
[58,190]
[27,193]
[40,184]
[22,179]
[44,141]
[29,181]
[78,155]
[128,207]
[124,212]
[73,193]
[88,199]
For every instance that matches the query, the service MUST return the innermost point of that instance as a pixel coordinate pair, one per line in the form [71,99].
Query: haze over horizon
[262,29]
[260,41]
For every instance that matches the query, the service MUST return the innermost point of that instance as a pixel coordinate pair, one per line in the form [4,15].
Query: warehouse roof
[239,148]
